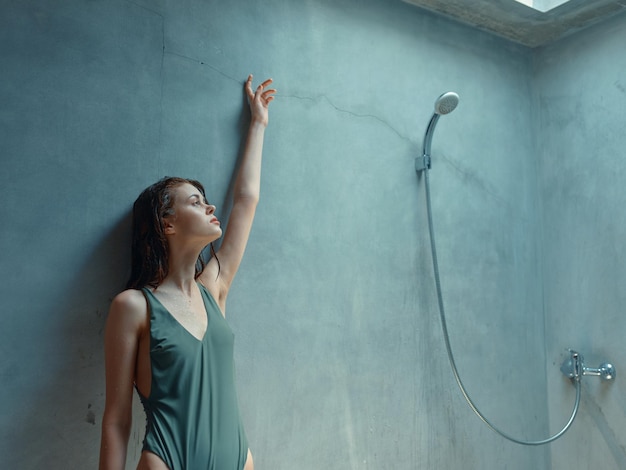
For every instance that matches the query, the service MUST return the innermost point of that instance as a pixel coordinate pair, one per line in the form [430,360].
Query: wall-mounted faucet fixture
[574,368]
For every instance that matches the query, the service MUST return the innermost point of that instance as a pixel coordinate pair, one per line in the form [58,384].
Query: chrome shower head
[446,103]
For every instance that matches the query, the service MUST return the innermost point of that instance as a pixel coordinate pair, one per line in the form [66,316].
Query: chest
[190,313]
[185,342]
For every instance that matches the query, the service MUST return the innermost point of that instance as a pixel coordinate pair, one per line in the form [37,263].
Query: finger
[265,83]
[248,86]
[268,93]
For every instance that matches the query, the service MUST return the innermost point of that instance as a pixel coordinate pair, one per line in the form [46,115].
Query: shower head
[446,103]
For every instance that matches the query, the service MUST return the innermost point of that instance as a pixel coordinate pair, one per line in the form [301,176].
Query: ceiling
[523,24]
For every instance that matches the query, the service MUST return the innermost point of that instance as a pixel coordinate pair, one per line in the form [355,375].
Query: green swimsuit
[192,414]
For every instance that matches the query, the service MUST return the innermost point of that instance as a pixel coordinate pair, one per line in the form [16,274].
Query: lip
[214,221]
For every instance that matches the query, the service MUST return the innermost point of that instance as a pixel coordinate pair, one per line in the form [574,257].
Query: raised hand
[259,100]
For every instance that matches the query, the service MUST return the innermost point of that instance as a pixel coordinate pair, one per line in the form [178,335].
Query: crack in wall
[235,80]
[205,64]
[161,81]
[485,187]
[320,97]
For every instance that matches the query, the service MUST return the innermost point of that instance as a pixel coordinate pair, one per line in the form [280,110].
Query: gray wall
[340,357]
[581,92]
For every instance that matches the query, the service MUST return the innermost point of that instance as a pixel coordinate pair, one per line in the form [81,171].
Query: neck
[181,270]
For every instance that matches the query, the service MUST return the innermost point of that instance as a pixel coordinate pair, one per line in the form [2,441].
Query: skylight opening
[542,5]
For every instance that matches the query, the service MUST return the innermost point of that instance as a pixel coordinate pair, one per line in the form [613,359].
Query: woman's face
[193,216]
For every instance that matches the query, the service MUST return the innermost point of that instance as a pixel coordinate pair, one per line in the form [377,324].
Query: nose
[210,209]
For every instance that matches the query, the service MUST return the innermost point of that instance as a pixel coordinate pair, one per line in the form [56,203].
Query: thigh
[249,463]
[150,461]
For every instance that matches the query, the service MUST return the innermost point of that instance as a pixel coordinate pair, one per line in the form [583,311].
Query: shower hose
[449,349]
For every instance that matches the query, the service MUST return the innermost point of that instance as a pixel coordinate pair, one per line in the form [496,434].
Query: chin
[216,236]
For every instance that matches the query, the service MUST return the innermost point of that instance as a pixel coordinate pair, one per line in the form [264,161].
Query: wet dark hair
[149,248]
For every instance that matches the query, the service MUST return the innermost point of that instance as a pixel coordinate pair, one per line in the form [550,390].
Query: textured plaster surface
[581,93]
[340,358]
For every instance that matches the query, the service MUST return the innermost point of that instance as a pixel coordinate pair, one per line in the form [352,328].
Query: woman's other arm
[125,322]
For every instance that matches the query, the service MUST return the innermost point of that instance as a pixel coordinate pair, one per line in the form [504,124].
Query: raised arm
[245,193]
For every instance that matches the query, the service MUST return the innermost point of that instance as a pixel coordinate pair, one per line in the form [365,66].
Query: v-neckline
[206,312]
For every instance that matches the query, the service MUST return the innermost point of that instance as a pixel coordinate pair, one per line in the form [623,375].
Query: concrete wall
[581,91]
[341,362]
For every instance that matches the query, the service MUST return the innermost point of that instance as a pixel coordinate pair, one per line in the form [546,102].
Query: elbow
[250,199]
[116,431]
[116,427]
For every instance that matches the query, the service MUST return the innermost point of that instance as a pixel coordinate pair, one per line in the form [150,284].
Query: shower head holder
[422,163]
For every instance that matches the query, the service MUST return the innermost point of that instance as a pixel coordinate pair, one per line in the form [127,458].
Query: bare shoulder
[130,299]
[128,308]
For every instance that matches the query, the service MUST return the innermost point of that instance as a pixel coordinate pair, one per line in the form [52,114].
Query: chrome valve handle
[574,368]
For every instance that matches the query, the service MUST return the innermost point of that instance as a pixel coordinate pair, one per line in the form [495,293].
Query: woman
[166,334]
